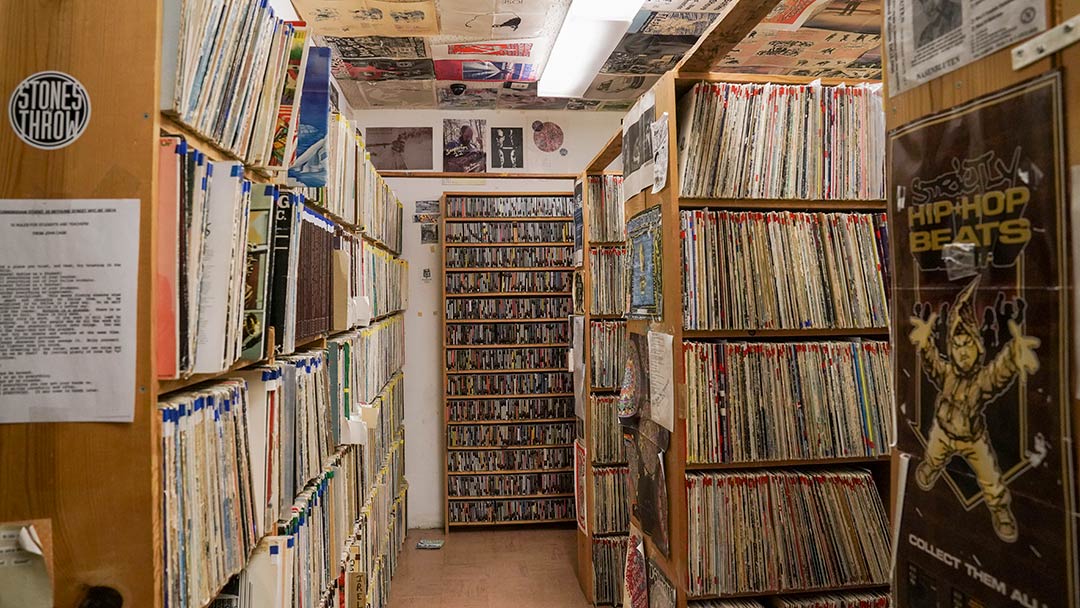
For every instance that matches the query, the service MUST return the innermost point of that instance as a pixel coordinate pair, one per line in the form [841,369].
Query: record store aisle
[527,568]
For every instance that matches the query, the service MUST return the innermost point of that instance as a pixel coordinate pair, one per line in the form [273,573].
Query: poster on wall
[400,148]
[579,222]
[646,280]
[308,167]
[637,152]
[929,38]
[507,148]
[463,145]
[981,338]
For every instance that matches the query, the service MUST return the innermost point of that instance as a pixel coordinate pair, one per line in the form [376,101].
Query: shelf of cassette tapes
[509,398]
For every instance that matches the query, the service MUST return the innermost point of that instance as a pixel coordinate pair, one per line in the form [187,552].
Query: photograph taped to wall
[463,145]
[507,148]
[991,470]
[400,148]
[929,38]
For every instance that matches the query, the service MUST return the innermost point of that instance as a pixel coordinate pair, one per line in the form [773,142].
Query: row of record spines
[479,359]
[608,352]
[609,569]
[511,484]
[507,281]
[379,353]
[851,599]
[785,401]
[469,461]
[378,581]
[507,307]
[607,440]
[384,275]
[781,269]
[794,529]
[513,409]
[611,506]
[509,257]
[509,510]
[523,206]
[607,215]
[550,332]
[610,280]
[520,433]
[508,232]
[509,383]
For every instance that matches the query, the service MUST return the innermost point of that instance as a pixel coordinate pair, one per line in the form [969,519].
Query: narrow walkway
[489,569]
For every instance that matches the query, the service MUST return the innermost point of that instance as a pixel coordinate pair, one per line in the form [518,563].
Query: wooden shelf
[500,346]
[511,269]
[528,220]
[538,320]
[171,386]
[518,522]
[601,389]
[467,397]
[687,78]
[778,464]
[802,334]
[515,421]
[512,497]
[379,244]
[599,244]
[607,317]
[608,465]
[801,591]
[509,294]
[485,448]
[512,472]
[514,244]
[782,204]
[503,371]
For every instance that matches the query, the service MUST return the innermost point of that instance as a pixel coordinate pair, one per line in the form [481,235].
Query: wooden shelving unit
[549,367]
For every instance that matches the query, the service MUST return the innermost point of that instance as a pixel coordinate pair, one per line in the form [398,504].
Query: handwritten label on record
[49,110]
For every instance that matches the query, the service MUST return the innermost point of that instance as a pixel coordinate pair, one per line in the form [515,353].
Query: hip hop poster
[982,360]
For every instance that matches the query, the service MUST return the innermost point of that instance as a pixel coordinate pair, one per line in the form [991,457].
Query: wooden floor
[526,568]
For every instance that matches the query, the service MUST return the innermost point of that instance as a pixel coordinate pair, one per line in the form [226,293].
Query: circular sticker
[49,110]
[549,137]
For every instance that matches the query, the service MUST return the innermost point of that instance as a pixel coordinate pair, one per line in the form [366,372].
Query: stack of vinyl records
[507,281]
[611,511]
[803,530]
[607,215]
[510,384]
[609,566]
[514,408]
[380,210]
[748,402]
[508,333]
[607,442]
[531,231]
[517,510]
[523,206]
[831,600]
[379,355]
[522,433]
[610,280]
[510,460]
[508,307]
[774,141]
[508,485]
[385,280]
[478,359]
[738,271]
[608,351]
[508,257]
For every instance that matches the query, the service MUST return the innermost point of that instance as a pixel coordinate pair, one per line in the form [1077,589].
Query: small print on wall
[400,148]
[506,148]
[463,146]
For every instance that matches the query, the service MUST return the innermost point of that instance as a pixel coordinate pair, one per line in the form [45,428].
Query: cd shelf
[502,329]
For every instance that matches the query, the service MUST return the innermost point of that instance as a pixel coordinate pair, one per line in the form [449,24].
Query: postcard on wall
[463,145]
[400,148]
[929,38]
[71,360]
[990,493]
[646,265]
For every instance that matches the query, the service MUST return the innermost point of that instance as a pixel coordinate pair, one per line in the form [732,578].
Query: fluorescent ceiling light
[590,32]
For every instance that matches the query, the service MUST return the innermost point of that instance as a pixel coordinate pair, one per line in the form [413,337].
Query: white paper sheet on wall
[661,379]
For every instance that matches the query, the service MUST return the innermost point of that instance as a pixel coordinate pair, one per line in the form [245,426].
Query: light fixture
[590,31]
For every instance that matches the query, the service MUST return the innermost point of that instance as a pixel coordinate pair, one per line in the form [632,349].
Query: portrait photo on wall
[400,148]
[463,145]
[506,148]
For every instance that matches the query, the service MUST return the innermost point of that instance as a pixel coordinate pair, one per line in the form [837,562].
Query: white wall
[585,133]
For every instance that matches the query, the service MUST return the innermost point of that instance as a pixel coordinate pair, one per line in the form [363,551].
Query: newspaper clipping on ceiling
[929,38]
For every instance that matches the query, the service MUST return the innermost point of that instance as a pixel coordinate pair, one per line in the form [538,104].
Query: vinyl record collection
[748,402]
[525,206]
[508,257]
[232,75]
[612,512]
[510,460]
[801,530]
[509,485]
[738,271]
[775,141]
[607,215]
[524,231]
[609,280]
[831,600]
[379,353]
[608,352]
[385,280]
[607,440]
[380,210]
[609,566]
[507,363]
[510,409]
